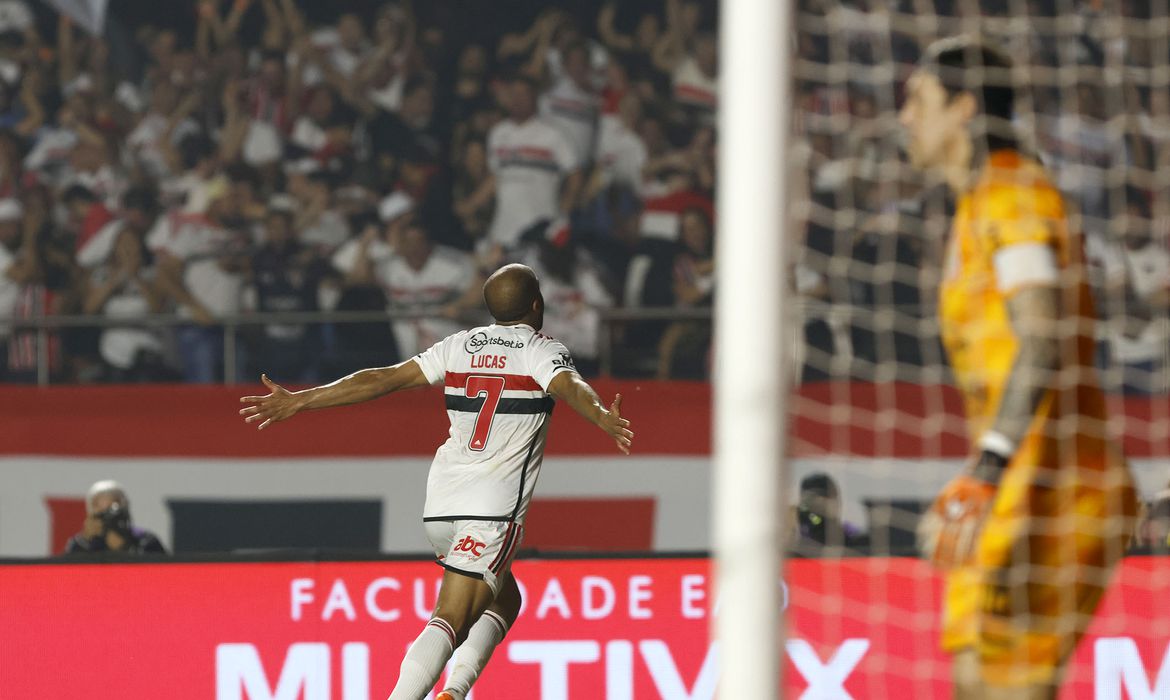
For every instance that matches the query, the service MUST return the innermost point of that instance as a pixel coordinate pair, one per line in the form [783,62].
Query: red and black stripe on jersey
[508,404]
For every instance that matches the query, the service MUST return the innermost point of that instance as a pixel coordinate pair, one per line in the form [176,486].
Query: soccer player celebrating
[499,384]
[1028,533]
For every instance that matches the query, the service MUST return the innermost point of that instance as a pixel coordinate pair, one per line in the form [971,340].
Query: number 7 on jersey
[491,388]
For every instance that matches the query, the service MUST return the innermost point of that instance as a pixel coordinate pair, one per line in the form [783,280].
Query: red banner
[670,418]
[616,629]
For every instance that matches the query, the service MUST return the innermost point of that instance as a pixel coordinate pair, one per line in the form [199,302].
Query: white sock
[473,654]
[424,661]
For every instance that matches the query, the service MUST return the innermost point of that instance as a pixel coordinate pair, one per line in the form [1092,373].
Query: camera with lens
[115,519]
[812,523]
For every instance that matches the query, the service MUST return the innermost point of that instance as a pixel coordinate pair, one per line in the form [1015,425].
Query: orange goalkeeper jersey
[1013,204]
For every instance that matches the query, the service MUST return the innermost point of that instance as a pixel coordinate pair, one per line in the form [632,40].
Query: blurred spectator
[634,51]
[201,266]
[574,293]
[572,105]
[473,191]
[1136,277]
[268,97]
[1082,148]
[820,528]
[344,46]
[690,57]
[383,72]
[124,287]
[684,347]
[409,128]
[416,275]
[137,215]
[199,165]
[91,167]
[317,217]
[87,215]
[46,285]
[286,275]
[357,345]
[151,144]
[621,154]
[17,266]
[536,172]
[308,131]
[469,92]
[108,526]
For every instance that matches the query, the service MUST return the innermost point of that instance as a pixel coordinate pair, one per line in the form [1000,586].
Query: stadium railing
[233,325]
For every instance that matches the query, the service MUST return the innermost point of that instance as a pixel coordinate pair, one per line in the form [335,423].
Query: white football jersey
[529,160]
[495,381]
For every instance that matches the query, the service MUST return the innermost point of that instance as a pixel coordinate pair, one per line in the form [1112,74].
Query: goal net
[878,425]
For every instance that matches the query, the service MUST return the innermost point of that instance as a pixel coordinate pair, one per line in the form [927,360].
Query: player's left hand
[280,405]
[948,532]
[617,427]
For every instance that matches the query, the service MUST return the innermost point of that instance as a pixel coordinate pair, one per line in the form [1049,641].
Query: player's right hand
[280,405]
[949,531]
[617,427]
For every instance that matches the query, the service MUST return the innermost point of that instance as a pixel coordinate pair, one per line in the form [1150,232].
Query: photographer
[107,525]
[820,530]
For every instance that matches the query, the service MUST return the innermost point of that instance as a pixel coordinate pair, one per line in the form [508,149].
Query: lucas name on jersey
[488,361]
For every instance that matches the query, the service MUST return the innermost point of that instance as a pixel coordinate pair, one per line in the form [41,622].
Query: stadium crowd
[217,159]
[262,156]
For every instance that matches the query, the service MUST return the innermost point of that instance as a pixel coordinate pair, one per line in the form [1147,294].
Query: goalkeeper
[1030,530]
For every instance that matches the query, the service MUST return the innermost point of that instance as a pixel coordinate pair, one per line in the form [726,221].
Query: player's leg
[488,631]
[969,683]
[965,677]
[1043,691]
[462,599]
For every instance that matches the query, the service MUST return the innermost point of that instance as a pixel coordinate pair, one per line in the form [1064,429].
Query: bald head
[511,294]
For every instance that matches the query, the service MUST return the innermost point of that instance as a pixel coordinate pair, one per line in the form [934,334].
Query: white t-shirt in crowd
[145,141]
[529,161]
[50,152]
[344,61]
[200,244]
[495,381]
[262,144]
[106,183]
[120,346]
[15,16]
[307,134]
[100,245]
[574,112]
[621,154]
[328,232]
[442,280]
[1149,269]
[692,87]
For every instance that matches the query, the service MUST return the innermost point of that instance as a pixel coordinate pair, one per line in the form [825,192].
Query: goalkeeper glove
[949,531]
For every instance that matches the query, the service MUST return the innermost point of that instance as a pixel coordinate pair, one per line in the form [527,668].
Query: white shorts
[480,549]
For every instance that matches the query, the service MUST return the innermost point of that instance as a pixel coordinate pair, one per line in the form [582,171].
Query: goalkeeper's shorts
[1042,564]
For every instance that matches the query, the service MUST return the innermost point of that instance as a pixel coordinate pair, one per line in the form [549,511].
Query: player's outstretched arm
[575,391]
[363,385]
